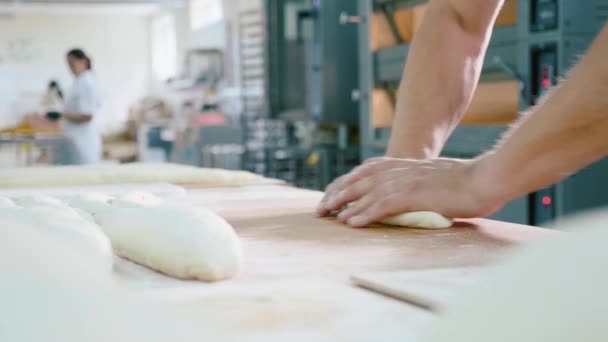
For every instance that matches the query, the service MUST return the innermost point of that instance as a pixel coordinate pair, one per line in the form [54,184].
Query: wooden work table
[283,238]
[310,260]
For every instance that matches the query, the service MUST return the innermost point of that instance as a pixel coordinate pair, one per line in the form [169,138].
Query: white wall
[33,47]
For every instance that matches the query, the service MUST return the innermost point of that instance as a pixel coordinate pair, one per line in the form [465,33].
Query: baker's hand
[387,187]
[368,168]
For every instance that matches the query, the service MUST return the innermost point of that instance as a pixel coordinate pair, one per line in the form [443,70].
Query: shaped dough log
[40,201]
[50,293]
[420,219]
[92,203]
[65,224]
[180,241]
[7,203]
[47,205]
[137,199]
[124,174]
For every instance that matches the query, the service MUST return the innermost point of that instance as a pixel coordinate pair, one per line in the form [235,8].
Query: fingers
[369,169]
[336,187]
[356,208]
[390,196]
[378,210]
[330,191]
[351,193]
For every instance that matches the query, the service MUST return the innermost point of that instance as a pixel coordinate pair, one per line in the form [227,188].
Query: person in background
[78,115]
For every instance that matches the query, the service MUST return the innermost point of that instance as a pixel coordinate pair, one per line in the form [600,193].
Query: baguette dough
[92,203]
[50,293]
[7,203]
[39,201]
[47,205]
[137,199]
[179,240]
[66,225]
[123,174]
[420,219]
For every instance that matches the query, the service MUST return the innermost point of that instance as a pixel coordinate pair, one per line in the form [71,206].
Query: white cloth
[84,98]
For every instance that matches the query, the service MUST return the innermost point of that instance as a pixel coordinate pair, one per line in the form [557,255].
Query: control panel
[544,76]
[543,15]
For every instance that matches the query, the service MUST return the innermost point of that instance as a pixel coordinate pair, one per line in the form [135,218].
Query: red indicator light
[546,77]
[546,201]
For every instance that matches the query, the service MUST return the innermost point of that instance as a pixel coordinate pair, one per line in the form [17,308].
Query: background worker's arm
[441,74]
[567,131]
[77,117]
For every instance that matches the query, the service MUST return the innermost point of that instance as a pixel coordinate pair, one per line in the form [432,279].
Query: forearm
[564,133]
[77,117]
[441,74]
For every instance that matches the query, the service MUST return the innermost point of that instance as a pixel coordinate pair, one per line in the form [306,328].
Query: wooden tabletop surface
[283,238]
[285,243]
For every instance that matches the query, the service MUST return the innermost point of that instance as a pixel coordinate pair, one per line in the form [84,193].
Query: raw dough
[179,240]
[47,205]
[39,201]
[136,199]
[420,219]
[91,202]
[7,203]
[50,293]
[66,225]
[554,290]
[125,173]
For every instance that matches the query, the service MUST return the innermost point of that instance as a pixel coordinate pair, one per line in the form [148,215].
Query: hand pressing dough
[420,219]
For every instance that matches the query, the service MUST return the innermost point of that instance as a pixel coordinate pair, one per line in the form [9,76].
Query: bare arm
[564,133]
[441,74]
[567,131]
[77,117]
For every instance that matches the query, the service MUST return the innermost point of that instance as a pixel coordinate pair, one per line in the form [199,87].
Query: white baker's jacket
[83,98]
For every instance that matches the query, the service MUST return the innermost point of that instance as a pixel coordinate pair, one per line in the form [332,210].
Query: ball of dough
[550,291]
[420,219]
[179,240]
